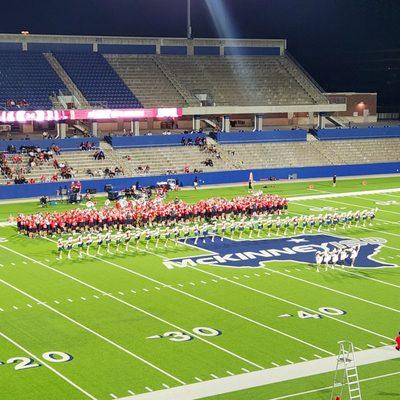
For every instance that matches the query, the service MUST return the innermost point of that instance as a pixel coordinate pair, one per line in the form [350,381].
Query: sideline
[265,377]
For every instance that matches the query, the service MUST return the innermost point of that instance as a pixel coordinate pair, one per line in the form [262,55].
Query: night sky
[346,45]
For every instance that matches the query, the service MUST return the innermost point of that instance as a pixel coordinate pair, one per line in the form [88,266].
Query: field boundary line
[331,289]
[266,377]
[59,374]
[138,309]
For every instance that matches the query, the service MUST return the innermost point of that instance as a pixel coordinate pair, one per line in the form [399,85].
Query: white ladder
[346,375]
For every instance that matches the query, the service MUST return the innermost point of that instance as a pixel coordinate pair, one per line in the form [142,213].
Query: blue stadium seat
[97,80]
[27,76]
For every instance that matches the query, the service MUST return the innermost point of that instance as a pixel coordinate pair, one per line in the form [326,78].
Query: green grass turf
[102,310]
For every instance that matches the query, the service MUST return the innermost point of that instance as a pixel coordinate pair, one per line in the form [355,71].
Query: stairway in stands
[66,80]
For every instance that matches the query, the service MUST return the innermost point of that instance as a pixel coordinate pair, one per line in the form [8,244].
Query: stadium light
[189,19]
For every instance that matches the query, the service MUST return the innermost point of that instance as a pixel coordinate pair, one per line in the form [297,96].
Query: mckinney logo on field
[254,253]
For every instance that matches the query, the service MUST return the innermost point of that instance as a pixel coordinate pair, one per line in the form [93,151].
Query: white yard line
[49,367]
[332,290]
[292,303]
[266,377]
[363,207]
[260,324]
[343,194]
[84,327]
[202,339]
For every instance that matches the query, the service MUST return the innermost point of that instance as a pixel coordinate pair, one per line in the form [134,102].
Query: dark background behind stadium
[347,45]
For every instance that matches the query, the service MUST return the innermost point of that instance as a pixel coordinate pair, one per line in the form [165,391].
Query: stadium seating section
[134,81]
[27,76]
[166,158]
[97,80]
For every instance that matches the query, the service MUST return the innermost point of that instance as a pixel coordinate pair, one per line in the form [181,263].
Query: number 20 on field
[26,362]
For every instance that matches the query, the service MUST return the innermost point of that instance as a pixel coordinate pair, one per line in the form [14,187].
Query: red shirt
[398,341]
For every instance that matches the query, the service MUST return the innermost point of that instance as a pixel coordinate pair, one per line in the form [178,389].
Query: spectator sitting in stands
[118,171]
[56,149]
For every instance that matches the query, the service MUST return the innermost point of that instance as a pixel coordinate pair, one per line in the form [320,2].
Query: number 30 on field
[176,336]
[330,311]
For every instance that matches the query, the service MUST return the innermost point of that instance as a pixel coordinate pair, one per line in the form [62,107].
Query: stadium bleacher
[27,76]
[357,133]
[97,80]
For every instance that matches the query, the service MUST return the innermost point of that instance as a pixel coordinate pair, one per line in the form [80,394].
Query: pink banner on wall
[92,115]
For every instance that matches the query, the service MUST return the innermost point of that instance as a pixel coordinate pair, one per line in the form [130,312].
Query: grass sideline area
[117,325]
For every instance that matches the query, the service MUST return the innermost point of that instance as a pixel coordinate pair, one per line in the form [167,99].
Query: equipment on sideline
[346,374]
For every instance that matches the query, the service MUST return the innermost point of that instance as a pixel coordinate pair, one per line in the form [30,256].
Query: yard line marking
[92,331]
[275,364]
[1,265]
[121,293]
[148,389]
[191,283]
[145,290]
[357,206]
[157,288]
[257,275]
[24,262]
[198,379]
[214,280]
[1,309]
[29,305]
[230,373]
[357,348]
[130,392]
[15,307]
[83,298]
[214,376]
[200,299]
[133,291]
[95,296]
[165,385]
[236,277]
[70,300]
[316,355]
[385,344]
[290,362]
[244,369]
[139,309]
[293,304]
[113,396]
[59,374]
[56,301]
[246,276]
[303,358]
[288,270]
[370,346]
[204,282]
[180,285]
[13,263]
[332,290]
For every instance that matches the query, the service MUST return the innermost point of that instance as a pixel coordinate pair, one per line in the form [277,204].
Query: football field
[132,325]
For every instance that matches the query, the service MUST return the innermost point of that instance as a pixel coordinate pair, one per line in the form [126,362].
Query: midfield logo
[253,253]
